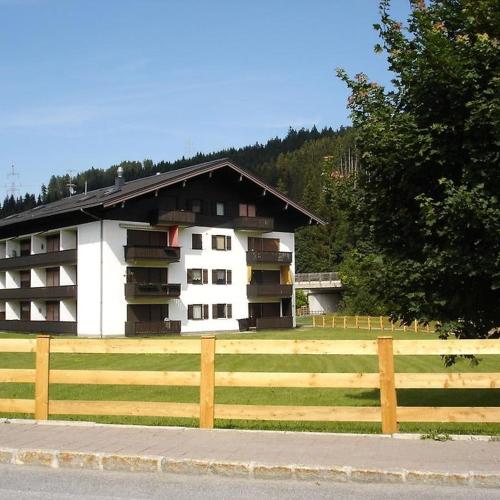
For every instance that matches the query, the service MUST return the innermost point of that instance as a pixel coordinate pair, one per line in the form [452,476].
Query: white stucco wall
[89,265]
[38,311]
[67,310]
[234,259]
[67,275]
[13,247]
[38,244]
[12,310]
[68,239]
[12,279]
[113,311]
[38,276]
[114,304]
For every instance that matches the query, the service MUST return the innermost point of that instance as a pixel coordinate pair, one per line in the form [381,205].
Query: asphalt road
[22,482]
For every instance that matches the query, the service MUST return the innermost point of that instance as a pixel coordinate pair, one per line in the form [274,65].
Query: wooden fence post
[42,369]
[357,321]
[333,321]
[323,321]
[381,323]
[388,400]
[369,323]
[427,329]
[416,326]
[345,322]
[314,321]
[207,382]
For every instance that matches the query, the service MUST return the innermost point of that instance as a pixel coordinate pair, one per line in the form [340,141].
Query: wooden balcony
[56,327]
[257,257]
[274,322]
[137,328]
[40,293]
[175,217]
[49,259]
[269,290]
[140,290]
[149,253]
[253,223]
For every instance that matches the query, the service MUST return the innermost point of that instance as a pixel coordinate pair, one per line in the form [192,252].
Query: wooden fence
[207,378]
[381,323]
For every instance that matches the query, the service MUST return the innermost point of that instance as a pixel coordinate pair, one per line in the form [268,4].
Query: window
[263,244]
[247,210]
[25,247]
[53,243]
[198,311]
[197,276]
[25,278]
[220,311]
[221,276]
[53,276]
[25,311]
[219,208]
[197,242]
[52,311]
[195,206]
[147,238]
[220,242]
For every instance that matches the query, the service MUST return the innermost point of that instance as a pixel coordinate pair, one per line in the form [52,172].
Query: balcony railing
[269,290]
[59,327]
[176,217]
[274,322]
[48,259]
[41,293]
[143,252]
[257,257]
[135,328]
[133,290]
[254,223]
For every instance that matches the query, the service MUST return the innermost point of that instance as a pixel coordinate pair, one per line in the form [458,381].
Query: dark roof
[109,196]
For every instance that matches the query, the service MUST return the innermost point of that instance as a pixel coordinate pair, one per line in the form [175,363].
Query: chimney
[119,180]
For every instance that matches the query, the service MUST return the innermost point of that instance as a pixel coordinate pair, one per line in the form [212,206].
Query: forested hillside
[300,165]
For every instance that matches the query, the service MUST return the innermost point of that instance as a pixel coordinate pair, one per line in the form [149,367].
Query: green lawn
[278,396]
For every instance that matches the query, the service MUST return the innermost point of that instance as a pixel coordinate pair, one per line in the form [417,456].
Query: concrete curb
[252,470]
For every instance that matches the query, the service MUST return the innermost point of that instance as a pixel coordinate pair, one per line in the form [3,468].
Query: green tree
[430,181]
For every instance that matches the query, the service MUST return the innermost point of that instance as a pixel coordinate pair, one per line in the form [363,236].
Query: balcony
[257,257]
[176,217]
[274,322]
[136,328]
[40,293]
[58,327]
[140,290]
[253,223]
[269,290]
[49,259]
[143,252]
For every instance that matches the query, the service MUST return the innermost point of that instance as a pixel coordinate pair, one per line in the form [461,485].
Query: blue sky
[91,83]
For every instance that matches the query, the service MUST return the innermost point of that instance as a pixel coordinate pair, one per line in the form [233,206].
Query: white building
[191,250]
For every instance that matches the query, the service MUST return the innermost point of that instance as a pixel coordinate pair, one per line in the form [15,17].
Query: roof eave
[211,168]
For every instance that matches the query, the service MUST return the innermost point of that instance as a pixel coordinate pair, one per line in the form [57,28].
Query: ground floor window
[222,311]
[198,311]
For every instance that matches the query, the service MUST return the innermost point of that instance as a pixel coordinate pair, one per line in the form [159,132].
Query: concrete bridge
[323,291]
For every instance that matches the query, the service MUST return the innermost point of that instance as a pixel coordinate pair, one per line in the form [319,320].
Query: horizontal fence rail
[389,413]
